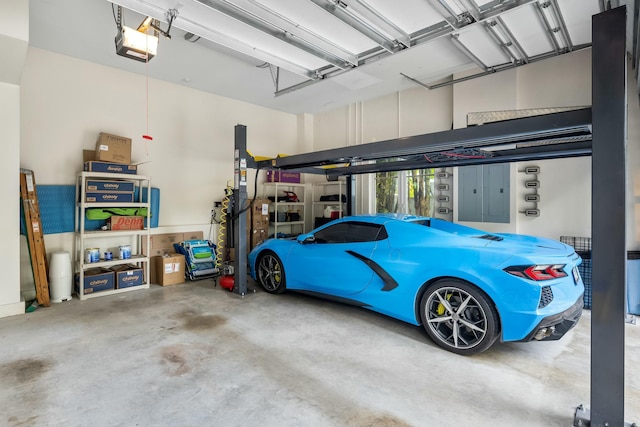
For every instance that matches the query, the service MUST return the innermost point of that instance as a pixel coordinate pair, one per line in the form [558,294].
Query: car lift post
[239,202]
[608,229]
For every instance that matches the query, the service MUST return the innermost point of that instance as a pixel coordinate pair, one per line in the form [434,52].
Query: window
[349,232]
[405,192]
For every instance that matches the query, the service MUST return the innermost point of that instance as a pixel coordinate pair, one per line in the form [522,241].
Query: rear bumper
[554,327]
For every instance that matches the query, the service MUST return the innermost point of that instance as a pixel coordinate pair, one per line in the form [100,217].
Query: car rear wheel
[271,273]
[459,317]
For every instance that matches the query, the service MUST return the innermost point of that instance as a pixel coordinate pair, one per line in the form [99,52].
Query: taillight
[538,272]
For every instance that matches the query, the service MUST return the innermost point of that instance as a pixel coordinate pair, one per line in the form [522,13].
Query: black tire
[270,273]
[468,331]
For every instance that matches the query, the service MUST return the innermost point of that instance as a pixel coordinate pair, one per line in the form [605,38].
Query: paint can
[108,256]
[125,251]
[91,255]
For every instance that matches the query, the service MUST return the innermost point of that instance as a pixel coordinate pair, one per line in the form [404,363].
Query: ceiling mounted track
[322,39]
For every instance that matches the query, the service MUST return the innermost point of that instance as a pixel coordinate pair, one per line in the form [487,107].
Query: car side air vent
[491,237]
[546,296]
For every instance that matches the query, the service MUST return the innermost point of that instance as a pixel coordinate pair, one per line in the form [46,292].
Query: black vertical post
[239,204]
[608,217]
[351,194]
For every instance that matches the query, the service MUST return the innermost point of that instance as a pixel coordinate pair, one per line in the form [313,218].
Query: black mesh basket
[582,246]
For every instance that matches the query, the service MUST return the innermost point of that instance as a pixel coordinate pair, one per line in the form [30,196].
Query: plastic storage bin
[633,282]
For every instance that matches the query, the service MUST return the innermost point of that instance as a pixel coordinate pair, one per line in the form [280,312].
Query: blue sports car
[465,286]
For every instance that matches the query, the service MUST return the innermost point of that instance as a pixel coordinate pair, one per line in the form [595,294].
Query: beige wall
[66,102]
[411,112]
[565,192]
[9,193]
[565,183]
[14,39]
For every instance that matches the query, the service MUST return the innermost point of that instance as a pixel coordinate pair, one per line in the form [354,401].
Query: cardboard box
[117,222]
[109,197]
[88,155]
[256,236]
[113,148]
[282,176]
[170,269]
[162,244]
[128,275]
[96,280]
[103,186]
[258,215]
[192,235]
[92,166]
[257,222]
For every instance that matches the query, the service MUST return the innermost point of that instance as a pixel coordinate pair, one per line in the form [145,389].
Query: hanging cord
[255,194]
[146,144]
[146,136]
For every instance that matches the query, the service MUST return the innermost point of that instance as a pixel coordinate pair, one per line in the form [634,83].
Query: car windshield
[351,231]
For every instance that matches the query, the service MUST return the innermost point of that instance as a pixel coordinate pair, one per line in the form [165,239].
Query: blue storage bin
[633,282]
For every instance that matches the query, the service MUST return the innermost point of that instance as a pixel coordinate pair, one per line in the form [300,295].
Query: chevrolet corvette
[466,287]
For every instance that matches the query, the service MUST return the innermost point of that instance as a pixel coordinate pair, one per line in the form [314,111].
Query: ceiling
[306,56]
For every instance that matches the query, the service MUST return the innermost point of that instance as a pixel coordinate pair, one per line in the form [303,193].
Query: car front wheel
[459,317]
[271,273]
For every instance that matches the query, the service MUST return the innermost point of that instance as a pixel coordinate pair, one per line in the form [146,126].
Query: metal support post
[240,216]
[351,194]
[609,116]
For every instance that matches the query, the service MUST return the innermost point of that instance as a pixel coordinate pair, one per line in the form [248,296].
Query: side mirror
[305,238]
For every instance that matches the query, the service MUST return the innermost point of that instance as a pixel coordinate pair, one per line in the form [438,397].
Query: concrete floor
[196,355]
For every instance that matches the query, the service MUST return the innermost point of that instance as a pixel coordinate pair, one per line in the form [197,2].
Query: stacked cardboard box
[95,280]
[113,148]
[112,154]
[117,222]
[257,222]
[169,269]
[127,275]
[257,226]
[162,253]
[282,176]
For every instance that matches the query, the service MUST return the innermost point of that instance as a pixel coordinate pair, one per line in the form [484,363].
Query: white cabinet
[329,201]
[111,240]
[287,208]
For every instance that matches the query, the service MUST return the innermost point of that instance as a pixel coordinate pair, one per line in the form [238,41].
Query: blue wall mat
[57,204]
[155,205]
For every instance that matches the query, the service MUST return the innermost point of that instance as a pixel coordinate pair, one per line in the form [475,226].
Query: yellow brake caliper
[440,310]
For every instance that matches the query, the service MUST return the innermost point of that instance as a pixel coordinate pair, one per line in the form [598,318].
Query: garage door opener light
[136,45]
